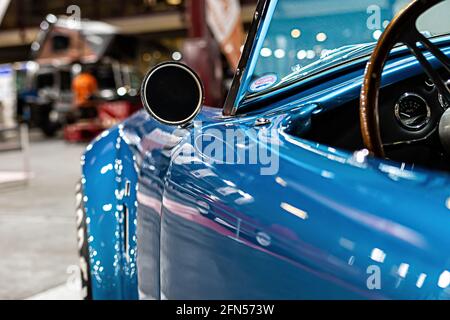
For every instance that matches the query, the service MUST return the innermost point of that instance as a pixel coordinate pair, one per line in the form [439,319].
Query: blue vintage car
[324,175]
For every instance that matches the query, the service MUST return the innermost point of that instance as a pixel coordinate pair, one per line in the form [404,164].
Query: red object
[83,131]
[202,53]
[196,15]
[109,114]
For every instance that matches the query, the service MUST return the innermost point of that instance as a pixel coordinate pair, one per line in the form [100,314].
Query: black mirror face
[172,93]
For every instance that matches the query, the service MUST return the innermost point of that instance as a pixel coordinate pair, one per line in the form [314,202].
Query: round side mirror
[172,93]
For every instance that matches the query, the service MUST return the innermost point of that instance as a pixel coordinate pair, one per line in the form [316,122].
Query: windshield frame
[261,21]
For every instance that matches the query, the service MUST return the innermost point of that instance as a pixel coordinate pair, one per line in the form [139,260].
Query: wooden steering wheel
[401,30]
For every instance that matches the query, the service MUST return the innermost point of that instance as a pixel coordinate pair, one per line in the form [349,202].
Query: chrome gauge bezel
[441,98]
[400,120]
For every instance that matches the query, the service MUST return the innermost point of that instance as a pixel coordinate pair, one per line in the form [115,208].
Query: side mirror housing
[172,93]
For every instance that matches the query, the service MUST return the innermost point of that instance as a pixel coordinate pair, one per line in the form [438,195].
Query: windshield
[307,36]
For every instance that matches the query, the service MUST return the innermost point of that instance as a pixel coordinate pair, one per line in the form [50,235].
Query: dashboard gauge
[444,103]
[412,111]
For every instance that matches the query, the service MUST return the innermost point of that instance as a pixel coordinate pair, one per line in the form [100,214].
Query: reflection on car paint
[222,231]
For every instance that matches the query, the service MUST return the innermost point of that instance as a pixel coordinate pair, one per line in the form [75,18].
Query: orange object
[83,86]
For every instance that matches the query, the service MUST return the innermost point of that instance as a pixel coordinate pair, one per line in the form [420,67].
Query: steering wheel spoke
[411,41]
[435,50]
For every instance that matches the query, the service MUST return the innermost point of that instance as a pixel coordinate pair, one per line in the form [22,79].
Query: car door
[312,223]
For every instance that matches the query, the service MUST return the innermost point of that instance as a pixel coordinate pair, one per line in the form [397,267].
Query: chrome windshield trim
[259,24]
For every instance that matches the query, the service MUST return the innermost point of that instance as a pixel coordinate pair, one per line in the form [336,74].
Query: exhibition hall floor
[37,224]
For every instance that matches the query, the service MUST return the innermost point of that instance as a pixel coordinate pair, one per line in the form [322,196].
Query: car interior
[410,111]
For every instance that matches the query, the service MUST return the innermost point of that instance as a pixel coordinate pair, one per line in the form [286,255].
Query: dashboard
[410,111]
[409,114]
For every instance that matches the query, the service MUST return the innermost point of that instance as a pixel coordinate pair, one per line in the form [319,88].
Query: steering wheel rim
[402,29]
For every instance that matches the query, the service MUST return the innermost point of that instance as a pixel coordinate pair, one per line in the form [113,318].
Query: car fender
[108,165]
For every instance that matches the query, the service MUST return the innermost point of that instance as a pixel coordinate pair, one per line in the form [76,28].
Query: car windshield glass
[307,36]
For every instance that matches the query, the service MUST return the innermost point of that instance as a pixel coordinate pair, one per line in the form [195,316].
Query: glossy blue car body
[160,227]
